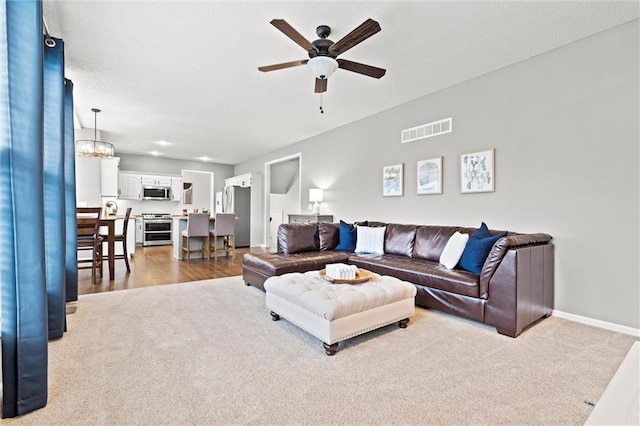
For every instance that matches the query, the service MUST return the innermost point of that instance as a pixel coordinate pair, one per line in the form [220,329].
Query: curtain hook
[48,41]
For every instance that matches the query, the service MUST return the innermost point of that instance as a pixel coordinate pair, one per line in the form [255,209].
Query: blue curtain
[36,159]
[71,280]
[22,254]
[54,188]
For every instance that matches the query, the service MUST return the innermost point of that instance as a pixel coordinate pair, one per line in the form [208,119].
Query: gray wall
[564,126]
[149,164]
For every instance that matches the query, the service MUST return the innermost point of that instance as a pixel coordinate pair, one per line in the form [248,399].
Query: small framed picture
[392,180]
[477,172]
[429,175]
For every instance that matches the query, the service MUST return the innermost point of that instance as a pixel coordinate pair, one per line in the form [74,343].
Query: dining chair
[89,239]
[121,238]
[197,227]
[225,227]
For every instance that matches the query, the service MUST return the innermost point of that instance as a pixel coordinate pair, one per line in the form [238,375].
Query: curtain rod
[50,42]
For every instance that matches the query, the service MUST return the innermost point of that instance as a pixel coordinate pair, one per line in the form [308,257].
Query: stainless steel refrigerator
[237,200]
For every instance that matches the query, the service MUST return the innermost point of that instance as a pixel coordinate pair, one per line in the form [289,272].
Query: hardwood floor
[151,266]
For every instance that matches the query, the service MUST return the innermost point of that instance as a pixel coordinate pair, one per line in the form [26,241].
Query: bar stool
[121,238]
[225,227]
[197,227]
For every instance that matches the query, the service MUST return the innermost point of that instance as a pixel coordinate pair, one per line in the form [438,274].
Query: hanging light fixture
[94,148]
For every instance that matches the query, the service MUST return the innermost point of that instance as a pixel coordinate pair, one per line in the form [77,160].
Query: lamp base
[316,208]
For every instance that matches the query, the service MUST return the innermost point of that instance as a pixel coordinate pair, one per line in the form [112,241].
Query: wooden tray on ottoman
[362,275]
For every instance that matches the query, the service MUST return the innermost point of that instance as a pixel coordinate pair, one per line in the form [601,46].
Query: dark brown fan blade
[369,70]
[321,85]
[294,35]
[363,32]
[274,67]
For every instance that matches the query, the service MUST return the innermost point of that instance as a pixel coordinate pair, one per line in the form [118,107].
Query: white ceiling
[186,72]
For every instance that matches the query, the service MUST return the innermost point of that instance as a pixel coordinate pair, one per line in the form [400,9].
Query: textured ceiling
[186,72]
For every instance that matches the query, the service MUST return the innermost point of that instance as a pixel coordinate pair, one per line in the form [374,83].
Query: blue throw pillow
[476,252]
[349,236]
[482,232]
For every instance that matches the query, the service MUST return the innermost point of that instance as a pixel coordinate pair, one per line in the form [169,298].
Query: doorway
[282,194]
[198,190]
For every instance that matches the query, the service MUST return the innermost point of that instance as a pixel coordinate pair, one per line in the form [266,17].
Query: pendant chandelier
[94,148]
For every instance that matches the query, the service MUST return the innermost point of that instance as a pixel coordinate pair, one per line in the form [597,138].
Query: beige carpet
[208,353]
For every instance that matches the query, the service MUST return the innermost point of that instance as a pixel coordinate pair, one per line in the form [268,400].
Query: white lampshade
[322,66]
[315,195]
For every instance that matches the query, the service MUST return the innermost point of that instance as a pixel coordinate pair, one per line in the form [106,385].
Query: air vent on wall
[428,130]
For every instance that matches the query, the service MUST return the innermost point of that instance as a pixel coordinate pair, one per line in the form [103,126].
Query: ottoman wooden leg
[330,349]
[403,323]
[274,316]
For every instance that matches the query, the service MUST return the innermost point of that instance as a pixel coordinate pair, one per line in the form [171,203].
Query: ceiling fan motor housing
[323,45]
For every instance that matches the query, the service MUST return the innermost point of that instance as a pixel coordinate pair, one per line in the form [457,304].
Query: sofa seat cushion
[272,264]
[421,272]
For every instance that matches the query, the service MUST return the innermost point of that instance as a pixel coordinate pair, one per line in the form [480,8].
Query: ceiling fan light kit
[322,66]
[323,52]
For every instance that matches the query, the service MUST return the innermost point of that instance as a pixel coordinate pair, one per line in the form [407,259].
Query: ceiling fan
[323,52]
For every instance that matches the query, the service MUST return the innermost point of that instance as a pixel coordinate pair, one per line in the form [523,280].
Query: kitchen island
[179,225]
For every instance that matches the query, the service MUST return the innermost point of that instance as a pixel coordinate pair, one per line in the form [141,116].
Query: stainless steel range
[156,229]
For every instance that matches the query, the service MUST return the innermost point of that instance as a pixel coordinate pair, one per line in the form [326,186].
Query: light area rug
[208,352]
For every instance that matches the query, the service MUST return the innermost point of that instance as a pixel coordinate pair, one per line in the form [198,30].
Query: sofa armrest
[521,290]
[499,250]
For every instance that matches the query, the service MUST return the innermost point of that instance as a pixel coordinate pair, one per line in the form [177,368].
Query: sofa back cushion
[329,235]
[399,239]
[431,240]
[298,237]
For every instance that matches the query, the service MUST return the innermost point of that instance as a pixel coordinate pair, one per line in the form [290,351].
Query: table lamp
[315,196]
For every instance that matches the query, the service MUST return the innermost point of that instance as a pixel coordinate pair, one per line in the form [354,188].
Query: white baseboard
[635,332]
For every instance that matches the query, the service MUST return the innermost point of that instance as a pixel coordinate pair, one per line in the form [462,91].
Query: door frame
[267,191]
[212,196]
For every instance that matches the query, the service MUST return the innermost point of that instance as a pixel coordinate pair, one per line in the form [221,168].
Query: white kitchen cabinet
[163,181]
[88,181]
[243,181]
[148,180]
[176,189]
[130,186]
[139,231]
[109,168]
[155,180]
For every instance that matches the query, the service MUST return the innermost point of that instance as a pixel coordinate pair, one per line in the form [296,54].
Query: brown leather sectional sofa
[513,290]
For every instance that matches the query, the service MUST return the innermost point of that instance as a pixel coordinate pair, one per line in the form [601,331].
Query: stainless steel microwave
[156,193]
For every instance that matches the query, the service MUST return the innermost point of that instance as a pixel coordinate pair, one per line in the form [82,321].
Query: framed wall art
[477,172]
[392,180]
[429,175]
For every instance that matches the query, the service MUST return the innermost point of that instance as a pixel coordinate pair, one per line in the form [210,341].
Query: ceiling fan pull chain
[321,102]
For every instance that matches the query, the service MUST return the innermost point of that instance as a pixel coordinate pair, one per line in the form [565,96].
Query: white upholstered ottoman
[336,312]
